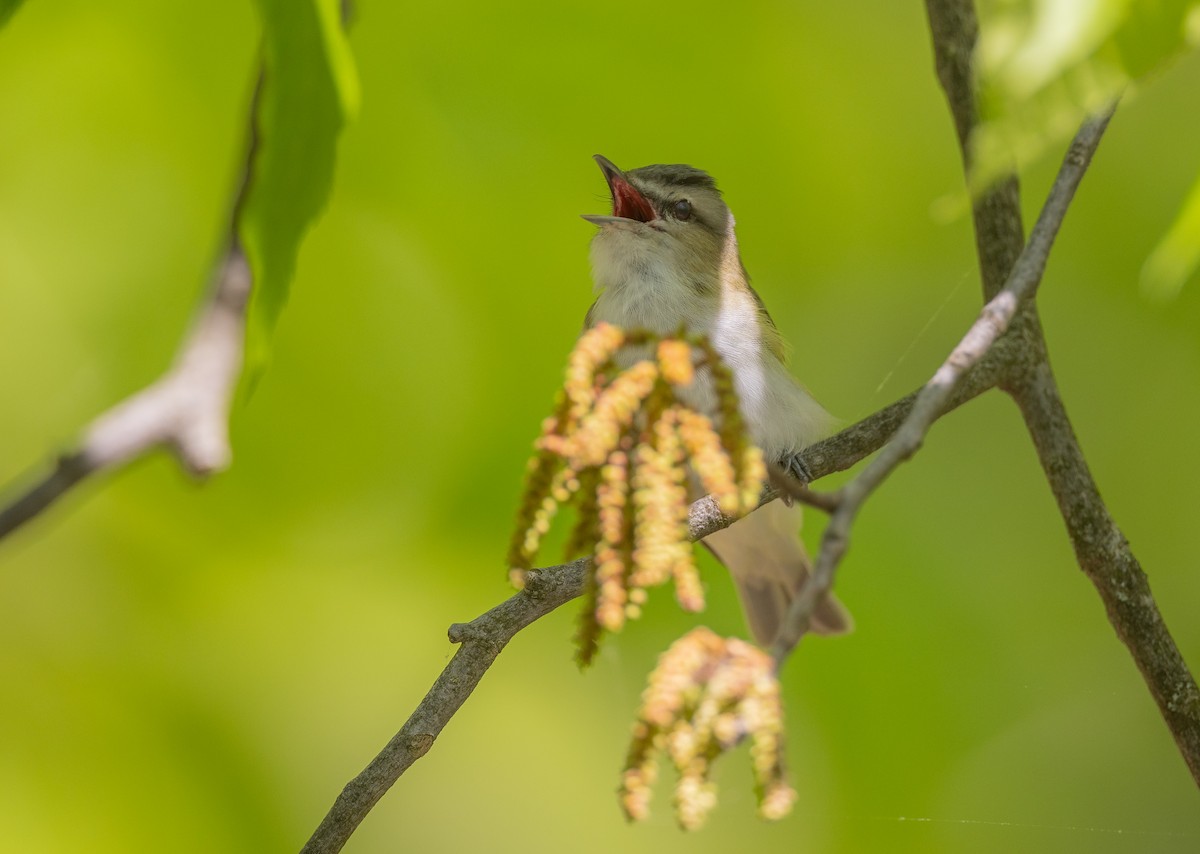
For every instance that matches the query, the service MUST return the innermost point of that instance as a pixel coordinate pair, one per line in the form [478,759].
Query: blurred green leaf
[1045,64]
[1155,30]
[1178,254]
[7,9]
[309,92]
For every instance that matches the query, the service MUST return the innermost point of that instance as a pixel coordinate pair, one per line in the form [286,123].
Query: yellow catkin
[533,520]
[689,592]
[614,410]
[660,495]
[593,349]
[650,490]
[707,694]
[709,460]
[695,798]
[675,361]
[776,802]
[612,548]
[751,478]
[587,637]
[542,469]
[641,771]
[734,435]
[618,447]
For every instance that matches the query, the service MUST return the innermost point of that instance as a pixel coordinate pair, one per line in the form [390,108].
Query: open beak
[628,203]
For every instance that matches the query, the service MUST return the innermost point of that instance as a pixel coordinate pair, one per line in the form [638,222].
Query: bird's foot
[794,465]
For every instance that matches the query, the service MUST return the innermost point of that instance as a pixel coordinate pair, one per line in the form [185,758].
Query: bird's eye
[682,210]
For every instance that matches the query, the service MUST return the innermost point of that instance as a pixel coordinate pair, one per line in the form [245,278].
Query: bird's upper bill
[628,201]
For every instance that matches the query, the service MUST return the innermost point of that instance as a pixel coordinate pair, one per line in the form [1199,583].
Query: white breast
[639,290]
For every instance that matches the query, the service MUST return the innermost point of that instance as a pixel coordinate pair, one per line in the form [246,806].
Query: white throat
[643,285]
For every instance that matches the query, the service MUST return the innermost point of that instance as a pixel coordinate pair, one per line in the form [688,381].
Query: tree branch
[845,449]
[999,234]
[1101,549]
[546,589]
[932,400]
[1104,555]
[481,641]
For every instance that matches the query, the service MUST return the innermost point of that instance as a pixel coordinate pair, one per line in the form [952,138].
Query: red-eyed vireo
[668,257]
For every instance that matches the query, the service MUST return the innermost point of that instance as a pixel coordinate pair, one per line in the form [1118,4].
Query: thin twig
[930,404]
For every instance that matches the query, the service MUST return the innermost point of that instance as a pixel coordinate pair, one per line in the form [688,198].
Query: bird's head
[665,219]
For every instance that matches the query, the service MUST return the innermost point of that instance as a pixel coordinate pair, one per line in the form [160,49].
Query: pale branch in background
[186,410]
[1101,549]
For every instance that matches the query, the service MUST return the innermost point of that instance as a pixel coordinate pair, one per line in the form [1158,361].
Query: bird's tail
[768,563]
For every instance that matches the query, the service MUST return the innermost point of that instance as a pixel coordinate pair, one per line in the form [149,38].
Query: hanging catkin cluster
[619,447]
[705,696]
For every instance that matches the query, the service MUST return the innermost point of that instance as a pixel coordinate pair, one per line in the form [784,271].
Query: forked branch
[931,401]
[1101,549]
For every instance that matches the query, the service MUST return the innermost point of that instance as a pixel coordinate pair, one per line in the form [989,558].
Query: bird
[667,259]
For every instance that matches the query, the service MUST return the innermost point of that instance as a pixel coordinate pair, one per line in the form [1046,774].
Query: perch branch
[480,642]
[482,639]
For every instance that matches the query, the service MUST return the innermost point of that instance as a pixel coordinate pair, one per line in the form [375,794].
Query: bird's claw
[794,465]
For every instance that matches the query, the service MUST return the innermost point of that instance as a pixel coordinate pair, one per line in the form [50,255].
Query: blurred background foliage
[201,669]
[306,92]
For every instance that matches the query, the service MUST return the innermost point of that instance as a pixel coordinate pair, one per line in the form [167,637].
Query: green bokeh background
[202,668]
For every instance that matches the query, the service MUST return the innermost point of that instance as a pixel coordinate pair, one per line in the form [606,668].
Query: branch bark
[484,638]
[481,641]
[1101,549]
[999,234]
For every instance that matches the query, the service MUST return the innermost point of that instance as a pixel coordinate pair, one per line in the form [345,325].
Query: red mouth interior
[628,202]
